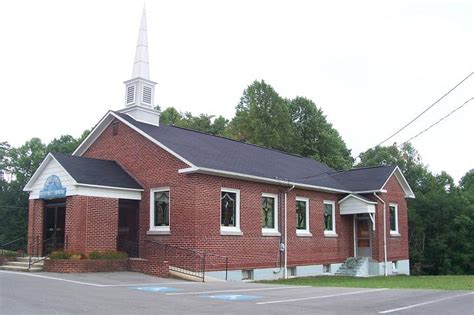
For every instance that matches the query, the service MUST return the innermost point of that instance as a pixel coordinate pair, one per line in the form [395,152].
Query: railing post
[203,267]
[226,264]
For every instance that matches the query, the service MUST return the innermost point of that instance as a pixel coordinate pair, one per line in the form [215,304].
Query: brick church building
[136,185]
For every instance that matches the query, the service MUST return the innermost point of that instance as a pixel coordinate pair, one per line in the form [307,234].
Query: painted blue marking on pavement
[156,289]
[233,297]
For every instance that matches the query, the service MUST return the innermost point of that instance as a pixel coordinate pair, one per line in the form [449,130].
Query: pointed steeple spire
[140,66]
[140,90]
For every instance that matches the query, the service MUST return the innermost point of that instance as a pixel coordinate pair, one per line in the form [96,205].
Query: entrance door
[127,239]
[364,237]
[54,224]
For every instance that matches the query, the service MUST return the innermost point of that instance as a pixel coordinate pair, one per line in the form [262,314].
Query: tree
[440,219]
[170,116]
[314,136]
[262,118]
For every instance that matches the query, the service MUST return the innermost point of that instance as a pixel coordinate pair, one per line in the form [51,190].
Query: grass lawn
[399,282]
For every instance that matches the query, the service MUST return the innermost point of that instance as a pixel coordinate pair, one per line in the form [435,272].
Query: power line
[440,120]
[427,109]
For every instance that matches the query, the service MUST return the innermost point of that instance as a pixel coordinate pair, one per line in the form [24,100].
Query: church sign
[52,188]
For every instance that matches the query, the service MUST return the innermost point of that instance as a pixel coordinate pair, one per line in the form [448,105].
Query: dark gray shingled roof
[96,172]
[208,151]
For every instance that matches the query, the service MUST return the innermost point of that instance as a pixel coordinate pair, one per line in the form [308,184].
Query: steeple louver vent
[131,94]
[147,94]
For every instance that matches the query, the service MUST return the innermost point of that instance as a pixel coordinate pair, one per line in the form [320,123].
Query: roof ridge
[365,167]
[82,157]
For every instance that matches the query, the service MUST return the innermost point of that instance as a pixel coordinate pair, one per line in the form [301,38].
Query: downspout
[384,234]
[285,270]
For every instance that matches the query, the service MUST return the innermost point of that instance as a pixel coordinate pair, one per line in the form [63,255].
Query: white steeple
[140,66]
[140,90]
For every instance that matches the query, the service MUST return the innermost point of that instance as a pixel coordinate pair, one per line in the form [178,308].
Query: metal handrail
[31,262]
[3,245]
[11,242]
[200,255]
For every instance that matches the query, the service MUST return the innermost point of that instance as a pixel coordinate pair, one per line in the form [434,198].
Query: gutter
[285,270]
[384,234]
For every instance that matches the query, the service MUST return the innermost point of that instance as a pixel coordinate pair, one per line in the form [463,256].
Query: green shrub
[108,254]
[61,254]
[9,253]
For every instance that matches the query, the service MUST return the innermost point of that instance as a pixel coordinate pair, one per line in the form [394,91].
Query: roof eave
[210,171]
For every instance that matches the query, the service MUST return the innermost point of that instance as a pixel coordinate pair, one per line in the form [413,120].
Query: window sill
[270,233]
[330,234]
[232,232]
[158,232]
[395,234]
[303,234]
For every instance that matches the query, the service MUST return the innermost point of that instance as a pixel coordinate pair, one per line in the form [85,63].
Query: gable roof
[90,171]
[206,153]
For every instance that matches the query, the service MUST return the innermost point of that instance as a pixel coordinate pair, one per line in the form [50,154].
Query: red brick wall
[35,226]
[75,230]
[101,224]
[85,265]
[151,267]
[195,208]
[91,223]
[397,246]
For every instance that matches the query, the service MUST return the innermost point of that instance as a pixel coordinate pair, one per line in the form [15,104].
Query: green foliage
[393,282]
[440,219]
[21,163]
[315,137]
[203,122]
[108,254]
[262,118]
[61,254]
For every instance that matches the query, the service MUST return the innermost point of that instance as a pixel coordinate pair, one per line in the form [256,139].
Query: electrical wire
[427,109]
[440,120]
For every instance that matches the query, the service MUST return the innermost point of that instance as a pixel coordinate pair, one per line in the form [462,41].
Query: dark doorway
[127,239]
[54,224]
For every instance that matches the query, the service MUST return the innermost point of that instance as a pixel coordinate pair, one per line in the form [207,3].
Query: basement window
[292,271]
[395,266]
[327,268]
[247,274]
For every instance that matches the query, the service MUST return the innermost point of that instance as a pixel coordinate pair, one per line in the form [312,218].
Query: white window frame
[305,232]
[333,231]
[230,230]
[396,231]
[159,229]
[274,231]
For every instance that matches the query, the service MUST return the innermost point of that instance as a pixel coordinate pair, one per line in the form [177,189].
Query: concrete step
[26,258]
[23,263]
[20,268]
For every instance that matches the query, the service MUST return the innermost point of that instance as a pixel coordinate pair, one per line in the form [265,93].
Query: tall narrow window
[393,212]
[269,214]
[302,216]
[230,210]
[160,209]
[329,218]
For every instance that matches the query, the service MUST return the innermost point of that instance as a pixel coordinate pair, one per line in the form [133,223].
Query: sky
[371,66]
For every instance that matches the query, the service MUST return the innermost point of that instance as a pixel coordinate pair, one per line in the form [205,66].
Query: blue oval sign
[52,188]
